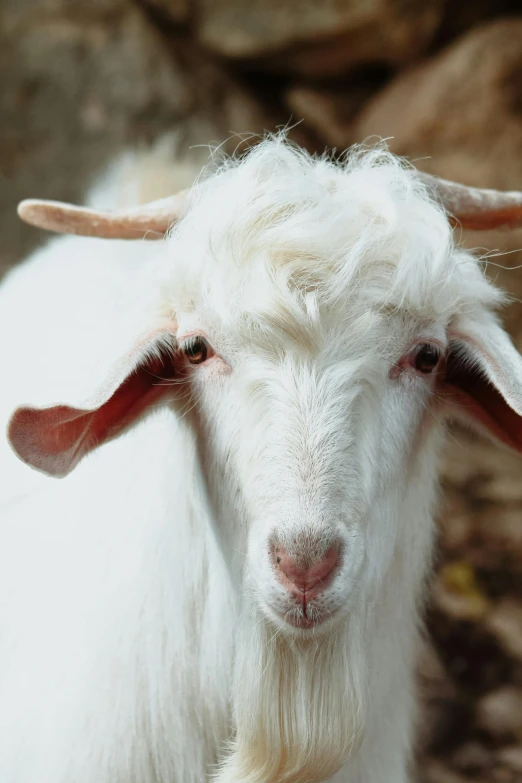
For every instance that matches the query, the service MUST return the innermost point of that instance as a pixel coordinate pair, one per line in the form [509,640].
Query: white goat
[232,586]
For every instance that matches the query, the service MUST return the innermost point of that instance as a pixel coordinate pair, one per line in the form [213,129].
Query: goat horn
[473,208]
[149,221]
[477,208]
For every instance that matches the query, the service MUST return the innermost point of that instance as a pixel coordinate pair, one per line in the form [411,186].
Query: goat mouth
[312,618]
[303,623]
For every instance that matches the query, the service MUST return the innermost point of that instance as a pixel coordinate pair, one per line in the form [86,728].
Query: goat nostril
[307,577]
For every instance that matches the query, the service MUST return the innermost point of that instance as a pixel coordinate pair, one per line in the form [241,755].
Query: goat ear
[54,439]
[482,383]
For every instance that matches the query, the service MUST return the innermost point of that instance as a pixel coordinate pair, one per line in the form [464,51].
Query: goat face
[311,292]
[305,441]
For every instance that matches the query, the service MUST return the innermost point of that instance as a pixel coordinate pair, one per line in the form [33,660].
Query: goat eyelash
[189,343]
[197,349]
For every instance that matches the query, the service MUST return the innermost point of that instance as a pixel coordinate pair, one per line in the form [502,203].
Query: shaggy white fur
[144,635]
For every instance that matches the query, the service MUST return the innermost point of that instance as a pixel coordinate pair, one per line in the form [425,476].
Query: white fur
[140,630]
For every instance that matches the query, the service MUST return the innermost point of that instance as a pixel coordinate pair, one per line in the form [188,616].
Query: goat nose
[304,577]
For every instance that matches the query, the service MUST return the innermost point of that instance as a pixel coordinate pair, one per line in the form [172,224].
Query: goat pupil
[196,351]
[426,358]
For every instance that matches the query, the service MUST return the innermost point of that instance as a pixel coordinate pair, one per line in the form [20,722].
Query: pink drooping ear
[54,439]
[482,383]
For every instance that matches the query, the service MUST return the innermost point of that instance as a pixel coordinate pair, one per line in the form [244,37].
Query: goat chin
[299,704]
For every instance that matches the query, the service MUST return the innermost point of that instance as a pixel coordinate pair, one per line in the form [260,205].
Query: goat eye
[196,350]
[426,358]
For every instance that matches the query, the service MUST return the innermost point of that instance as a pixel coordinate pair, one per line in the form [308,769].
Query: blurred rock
[433,771]
[438,697]
[15,11]
[459,112]
[82,80]
[179,11]
[483,476]
[323,113]
[318,38]
[500,713]
[505,622]
[511,757]
[329,112]
[472,759]
[455,524]
[501,774]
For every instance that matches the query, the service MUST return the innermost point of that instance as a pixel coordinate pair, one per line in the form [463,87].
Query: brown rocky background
[442,79]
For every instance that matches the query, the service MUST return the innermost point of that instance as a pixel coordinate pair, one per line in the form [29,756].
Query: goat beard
[299,704]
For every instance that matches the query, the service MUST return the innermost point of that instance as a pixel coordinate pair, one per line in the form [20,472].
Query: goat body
[275,373]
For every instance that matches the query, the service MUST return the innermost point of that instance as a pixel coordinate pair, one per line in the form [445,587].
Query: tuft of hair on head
[282,238]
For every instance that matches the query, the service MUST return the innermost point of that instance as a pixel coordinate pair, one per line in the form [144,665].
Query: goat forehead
[282,238]
[298,310]
[283,334]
